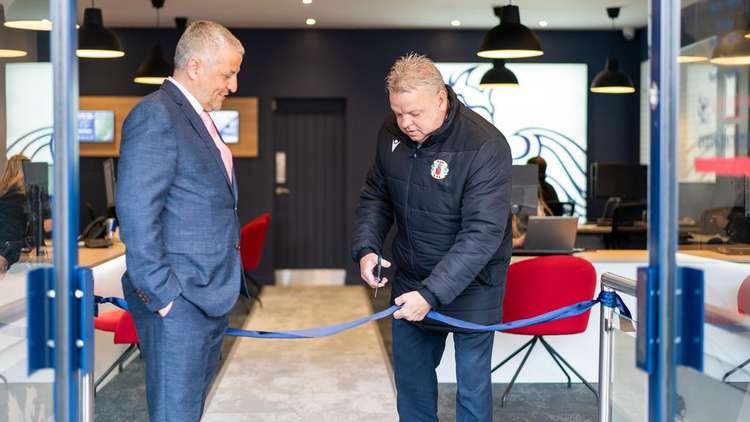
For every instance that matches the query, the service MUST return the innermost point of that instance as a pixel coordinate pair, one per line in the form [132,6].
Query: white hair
[413,71]
[201,39]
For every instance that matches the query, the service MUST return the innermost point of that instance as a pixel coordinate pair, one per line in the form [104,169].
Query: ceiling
[355,14]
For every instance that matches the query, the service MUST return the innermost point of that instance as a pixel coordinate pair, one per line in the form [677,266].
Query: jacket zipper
[413,158]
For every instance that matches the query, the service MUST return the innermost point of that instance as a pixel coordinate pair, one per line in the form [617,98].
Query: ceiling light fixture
[94,40]
[6,35]
[499,76]
[156,68]
[306,1]
[455,22]
[543,24]
[29,14]
[510,39]
[310,21]
[612,80]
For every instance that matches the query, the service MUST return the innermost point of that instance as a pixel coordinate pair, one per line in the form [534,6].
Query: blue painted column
[664,31]
[63,41]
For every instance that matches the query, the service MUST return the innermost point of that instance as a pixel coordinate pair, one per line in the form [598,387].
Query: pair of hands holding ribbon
[414,307]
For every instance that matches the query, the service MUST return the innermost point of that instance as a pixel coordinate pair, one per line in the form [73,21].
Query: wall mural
[28,89]
[545,116]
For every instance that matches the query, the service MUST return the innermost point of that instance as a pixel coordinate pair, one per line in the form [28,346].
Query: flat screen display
[96,126]
[228,123]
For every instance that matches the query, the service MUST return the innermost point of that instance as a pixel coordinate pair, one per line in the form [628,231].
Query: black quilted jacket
[450,199]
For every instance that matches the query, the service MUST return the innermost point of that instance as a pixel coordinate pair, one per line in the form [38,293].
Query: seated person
[546,192]
[520,220]
[733,224]
[13,218]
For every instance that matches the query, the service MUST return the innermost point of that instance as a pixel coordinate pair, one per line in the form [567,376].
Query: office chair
[252,240]
[625,234]
[540,285]
[743,307]
[119,322]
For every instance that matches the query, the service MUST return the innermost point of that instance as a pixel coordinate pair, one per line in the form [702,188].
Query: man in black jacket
[444,174]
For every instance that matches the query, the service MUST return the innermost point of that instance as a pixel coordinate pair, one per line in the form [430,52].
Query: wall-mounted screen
[228,123]
[96,126]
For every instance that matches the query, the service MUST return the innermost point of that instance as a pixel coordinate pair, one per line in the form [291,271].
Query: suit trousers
[416,354]
[181,352]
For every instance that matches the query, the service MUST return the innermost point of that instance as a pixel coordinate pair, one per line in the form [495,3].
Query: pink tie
[226,155]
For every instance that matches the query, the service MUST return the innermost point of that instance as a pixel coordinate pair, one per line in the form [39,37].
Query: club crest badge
[439,170]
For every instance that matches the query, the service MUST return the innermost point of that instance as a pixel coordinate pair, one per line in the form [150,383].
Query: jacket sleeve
[485,207]
[374,214]
[146,170]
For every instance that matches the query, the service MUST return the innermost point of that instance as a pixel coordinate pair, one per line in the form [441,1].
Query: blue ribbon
[608,299]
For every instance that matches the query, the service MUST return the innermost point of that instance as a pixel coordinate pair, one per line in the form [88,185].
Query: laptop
[550,236]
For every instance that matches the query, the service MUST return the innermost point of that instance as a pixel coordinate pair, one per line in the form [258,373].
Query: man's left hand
[413,307]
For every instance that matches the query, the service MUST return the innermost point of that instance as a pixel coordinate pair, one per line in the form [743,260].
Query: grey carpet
[124,398]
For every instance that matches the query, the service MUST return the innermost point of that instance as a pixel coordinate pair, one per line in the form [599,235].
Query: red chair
[539,285]
[252,240]
[120,323]
[743,307]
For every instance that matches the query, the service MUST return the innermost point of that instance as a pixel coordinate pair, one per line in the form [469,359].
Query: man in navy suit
[177,205]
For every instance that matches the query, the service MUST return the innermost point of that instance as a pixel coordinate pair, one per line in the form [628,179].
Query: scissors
[377,276]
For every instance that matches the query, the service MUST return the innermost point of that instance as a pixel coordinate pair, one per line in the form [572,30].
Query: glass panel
[714,199]
[628,382]
[22,397]
[714,117]
[26,189]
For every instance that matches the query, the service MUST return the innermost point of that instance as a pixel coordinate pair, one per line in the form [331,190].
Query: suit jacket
[177,208]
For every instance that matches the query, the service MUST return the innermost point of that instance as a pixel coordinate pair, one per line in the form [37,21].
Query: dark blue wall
[352,64]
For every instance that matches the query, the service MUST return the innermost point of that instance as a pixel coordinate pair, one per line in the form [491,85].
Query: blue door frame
[71,381]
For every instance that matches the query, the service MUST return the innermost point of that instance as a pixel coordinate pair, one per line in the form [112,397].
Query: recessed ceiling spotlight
[543,24]
[306,1]
[455,22]
[310,21]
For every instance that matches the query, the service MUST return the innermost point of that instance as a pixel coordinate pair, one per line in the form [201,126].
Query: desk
[108,266]
[723,276]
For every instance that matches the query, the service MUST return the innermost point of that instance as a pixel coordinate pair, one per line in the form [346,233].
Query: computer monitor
[629,182]
[525,188]
[36,184]
[110,184]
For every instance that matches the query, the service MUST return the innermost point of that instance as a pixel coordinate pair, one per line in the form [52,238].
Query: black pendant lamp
[612,80]
[94,40]
[733,49]
[6,35]
[510,39]
[499,76]
[29,14]
[155,69]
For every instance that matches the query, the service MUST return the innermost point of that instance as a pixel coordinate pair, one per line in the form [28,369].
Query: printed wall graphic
[545,116]
[28,90]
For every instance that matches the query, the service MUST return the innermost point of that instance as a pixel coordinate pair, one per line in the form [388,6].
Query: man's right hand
[3,264]
[165,310]
[366,265]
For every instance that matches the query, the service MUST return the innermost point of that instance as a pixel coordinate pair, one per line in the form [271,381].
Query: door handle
[280,190]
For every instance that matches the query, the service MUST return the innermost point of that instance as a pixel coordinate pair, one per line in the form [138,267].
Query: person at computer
[13,217]
[442,173]
[520,221]
[547,192]
[177,206]
[733,224]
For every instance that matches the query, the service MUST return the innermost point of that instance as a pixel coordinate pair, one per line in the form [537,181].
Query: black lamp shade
[510,39]
[499,76]
[611,80]
[733,50]
[6,48]
[96,41]
[154,69]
